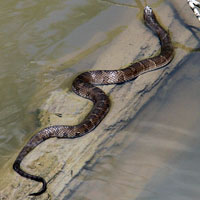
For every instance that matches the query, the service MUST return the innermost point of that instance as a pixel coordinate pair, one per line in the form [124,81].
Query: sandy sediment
[60,161]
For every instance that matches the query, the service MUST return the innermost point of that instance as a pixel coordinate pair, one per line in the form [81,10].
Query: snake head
[150,18]
[148,10]
[148,14]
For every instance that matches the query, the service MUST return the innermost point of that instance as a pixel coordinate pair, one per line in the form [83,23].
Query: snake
[85,85]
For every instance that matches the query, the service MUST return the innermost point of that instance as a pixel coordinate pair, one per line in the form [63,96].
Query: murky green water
[38,41]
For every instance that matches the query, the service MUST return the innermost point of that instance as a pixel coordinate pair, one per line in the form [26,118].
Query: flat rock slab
[60,161]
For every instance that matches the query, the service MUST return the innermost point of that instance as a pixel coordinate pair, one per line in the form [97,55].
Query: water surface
[38,38]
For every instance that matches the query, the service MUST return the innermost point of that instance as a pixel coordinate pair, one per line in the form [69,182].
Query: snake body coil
[84,86]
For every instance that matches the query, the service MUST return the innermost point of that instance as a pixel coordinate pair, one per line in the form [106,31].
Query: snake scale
[84,86]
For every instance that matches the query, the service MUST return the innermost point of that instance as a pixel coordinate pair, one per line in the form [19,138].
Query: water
[159,158]
[37,40]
